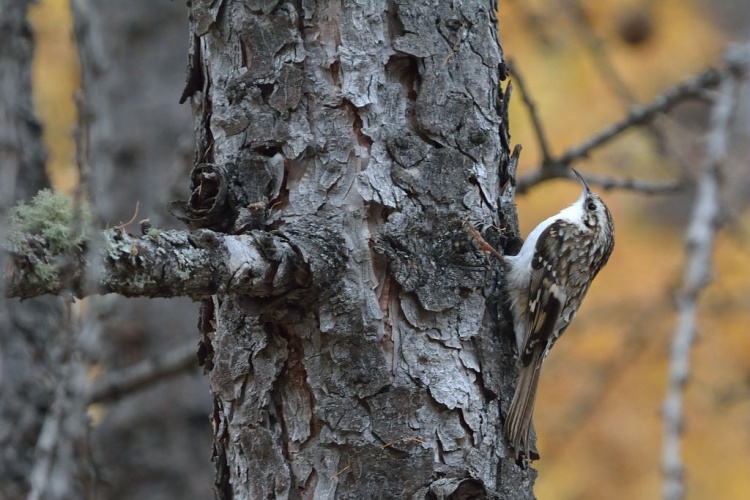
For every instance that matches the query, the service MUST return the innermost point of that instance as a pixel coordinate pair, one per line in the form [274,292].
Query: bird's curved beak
[583,181]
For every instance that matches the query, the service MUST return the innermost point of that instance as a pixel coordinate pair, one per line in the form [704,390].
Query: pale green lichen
[182,274]
[120,246]
[154,233]
[46,275]
[51,215]
[115,244]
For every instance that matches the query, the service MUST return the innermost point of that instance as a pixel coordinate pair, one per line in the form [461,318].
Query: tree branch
[638,115]
[701,235]
[541,136]
[118,384]
[642,186]
[158,264]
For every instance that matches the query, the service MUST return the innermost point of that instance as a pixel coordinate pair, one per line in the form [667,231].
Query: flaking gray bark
[159,264]
[386,119]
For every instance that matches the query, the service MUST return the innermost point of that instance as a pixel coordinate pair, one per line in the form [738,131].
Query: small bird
[547,281]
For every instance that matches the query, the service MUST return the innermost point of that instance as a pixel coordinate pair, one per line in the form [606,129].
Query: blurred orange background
[598,411]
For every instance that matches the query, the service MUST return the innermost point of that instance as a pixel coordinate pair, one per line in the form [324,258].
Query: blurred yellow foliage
[56,77]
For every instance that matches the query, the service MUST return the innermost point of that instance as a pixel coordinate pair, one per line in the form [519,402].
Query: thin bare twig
[123,225]
[603,62]
[486,247]
[596,46]
[348,466]
[144,374]
[401,440]
[638,115]
[640,185]
[536,23]
[605,182]
[541,136]
[700,237]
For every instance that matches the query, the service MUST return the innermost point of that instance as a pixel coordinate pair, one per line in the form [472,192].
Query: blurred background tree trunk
[27,329]
[149,444]
[153,443]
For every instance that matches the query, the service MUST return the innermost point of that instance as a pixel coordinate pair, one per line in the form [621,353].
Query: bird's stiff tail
[518,422]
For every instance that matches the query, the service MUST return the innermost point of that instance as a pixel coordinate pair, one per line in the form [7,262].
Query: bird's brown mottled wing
[547,297]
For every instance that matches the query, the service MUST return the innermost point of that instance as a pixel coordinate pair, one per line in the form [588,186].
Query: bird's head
[595,213]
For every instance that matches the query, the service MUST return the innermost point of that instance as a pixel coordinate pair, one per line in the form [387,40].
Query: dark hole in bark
[204,196]
[267,150]
[266,89]
[335,76]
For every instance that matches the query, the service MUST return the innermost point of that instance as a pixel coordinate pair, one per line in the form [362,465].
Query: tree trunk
[29,330]
[365,134]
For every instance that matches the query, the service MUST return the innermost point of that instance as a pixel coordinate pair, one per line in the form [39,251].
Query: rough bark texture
[158,264]
[387,122]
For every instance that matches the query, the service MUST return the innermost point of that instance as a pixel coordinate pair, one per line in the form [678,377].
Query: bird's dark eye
[591,207]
